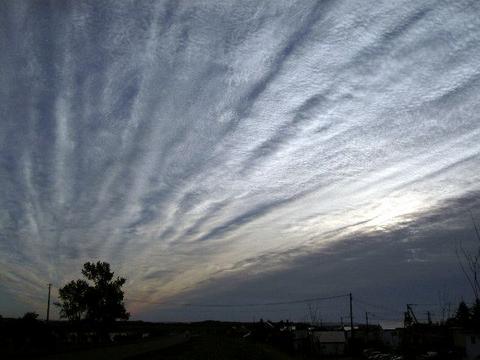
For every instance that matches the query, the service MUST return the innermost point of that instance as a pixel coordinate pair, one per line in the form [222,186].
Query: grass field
[122,352]
[215,347]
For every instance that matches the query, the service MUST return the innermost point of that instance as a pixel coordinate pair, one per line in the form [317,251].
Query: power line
[291,302]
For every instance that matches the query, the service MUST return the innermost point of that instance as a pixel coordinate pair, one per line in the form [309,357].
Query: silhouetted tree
[73,301]
[469,262]
[462,316]
[100,299]
[313,313]
[408,320]
[475,314]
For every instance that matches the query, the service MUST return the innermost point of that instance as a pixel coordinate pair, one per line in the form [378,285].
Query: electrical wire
[300,301]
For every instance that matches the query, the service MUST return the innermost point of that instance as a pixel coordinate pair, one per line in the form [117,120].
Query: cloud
[384,269]
[185,142]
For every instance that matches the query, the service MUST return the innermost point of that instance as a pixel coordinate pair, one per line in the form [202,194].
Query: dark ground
[205,340]
[215,347]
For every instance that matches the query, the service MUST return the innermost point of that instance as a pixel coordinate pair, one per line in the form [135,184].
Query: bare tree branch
[464,270]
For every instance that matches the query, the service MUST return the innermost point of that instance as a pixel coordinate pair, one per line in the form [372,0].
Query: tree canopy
[98,298]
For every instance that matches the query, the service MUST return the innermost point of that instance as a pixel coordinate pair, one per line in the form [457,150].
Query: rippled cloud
[182,141]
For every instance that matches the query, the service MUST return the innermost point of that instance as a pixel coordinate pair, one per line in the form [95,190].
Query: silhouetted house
[348,331]
[391,338]
[468,342]
[371,334]
[329,342]
[425,337]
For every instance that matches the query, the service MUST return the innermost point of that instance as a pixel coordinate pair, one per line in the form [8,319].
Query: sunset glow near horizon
[211,150]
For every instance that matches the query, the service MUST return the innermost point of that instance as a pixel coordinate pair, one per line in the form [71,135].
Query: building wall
[391,338]
[472,348]
[470,342]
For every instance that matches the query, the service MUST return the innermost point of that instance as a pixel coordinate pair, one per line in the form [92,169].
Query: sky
[240,152]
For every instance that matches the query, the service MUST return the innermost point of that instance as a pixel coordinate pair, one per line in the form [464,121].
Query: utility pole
[351,317]
[48,302]
[366,325]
